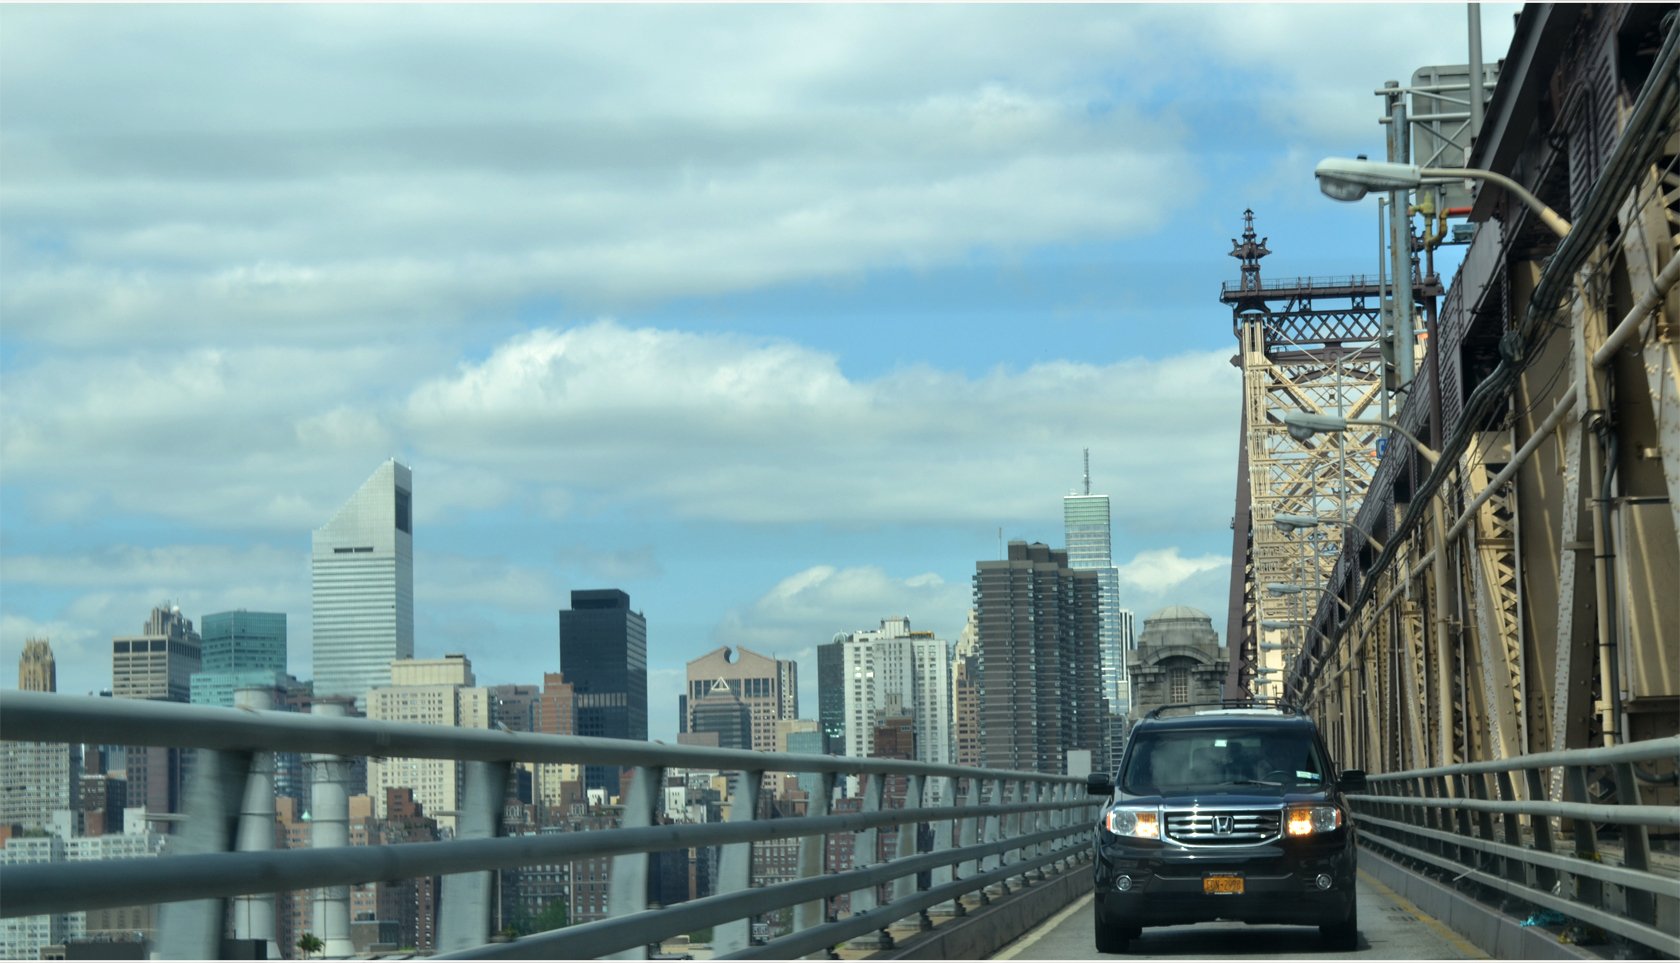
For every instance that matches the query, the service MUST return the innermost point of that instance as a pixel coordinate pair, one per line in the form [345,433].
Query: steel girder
[1301,358]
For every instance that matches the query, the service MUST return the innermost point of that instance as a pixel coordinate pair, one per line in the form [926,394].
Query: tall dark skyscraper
[831,695]
[1040,680]
[603,655]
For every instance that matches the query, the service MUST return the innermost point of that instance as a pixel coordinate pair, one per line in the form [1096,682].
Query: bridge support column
[253,916]
[330,829]
[468,902]
[866,852]
[948,834]
[735,863]
[192,929]
[813,859]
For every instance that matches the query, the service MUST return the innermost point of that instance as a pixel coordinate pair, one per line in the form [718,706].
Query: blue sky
[772,316]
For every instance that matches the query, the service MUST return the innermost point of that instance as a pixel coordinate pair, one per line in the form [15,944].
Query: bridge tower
[1307,344]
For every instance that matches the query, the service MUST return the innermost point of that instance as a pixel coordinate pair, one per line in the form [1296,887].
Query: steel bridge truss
[1308,344]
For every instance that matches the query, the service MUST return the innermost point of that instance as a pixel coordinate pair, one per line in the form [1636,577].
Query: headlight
[1307,820]
[1131,822]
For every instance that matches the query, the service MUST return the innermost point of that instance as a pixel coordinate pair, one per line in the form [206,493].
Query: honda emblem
[1222,825]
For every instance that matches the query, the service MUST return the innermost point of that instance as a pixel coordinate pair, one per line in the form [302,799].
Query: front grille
[1203,827]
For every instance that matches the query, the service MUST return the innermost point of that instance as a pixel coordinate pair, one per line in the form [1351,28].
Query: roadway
[1390,928]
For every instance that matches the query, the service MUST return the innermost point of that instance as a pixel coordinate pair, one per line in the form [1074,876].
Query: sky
[777,318]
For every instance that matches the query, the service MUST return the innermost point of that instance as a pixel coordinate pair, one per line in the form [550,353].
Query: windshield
[1228,759]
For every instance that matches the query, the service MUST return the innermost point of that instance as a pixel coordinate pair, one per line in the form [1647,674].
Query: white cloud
[727,428]
[1158,572]
[616,157]
[130,565]
[809,607]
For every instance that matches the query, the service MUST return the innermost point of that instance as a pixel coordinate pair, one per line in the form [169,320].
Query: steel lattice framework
[1307,344]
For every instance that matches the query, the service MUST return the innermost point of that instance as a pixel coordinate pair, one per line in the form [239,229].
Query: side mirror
[1099,784]
[1352,780]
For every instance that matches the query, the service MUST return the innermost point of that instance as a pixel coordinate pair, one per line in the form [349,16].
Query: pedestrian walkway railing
[990,830]
[1588,835]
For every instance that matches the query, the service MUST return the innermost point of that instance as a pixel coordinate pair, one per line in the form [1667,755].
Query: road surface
[1390,928]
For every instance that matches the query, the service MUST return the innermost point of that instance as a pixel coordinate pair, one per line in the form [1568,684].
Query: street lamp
[1303,425]
[1291,523]
[1283,588]
[1348,179]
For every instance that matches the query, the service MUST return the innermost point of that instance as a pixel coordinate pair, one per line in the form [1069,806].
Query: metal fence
[991,830]
[1545,832]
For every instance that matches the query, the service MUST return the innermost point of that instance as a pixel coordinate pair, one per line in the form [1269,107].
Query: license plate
[1222,885]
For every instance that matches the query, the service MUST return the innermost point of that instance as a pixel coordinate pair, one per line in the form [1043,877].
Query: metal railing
[1530,831]
[993,829]
[1335,283]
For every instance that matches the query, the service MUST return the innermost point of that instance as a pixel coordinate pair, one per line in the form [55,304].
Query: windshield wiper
[1252,782]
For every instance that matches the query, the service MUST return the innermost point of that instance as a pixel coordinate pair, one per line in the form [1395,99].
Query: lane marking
[1471,950]
[1044,927]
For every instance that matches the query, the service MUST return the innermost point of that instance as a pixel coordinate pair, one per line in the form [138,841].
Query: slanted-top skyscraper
[603,655]
[362,586]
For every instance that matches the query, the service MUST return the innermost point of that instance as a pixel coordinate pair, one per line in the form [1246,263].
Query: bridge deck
[1390,928]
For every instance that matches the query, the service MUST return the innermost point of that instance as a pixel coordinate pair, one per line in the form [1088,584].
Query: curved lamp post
[1349,179]
[1303,425]
[1292,523]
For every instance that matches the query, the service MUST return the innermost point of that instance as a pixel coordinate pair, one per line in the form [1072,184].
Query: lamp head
[1303,425]
[1283,588]
[1289,523]
[1348,179]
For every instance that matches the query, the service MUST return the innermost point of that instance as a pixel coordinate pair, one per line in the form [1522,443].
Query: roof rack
[1285,708]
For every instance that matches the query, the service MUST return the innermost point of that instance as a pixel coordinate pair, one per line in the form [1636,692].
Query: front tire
[1111,937]
[1343,935]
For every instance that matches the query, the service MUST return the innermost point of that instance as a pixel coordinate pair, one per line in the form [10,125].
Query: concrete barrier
[1499,935]
[990,928]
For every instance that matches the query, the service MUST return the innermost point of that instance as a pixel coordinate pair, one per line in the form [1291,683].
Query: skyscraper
[1040,688]
[362,586]
[37,672]
[769,687]
[437,692]
[831,695]
[157,664]
[965,695]
[1090,546]
[603,655]
[895,673]
[239,649]
[37,778]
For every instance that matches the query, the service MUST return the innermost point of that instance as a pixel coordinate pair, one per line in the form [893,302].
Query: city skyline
[774,345]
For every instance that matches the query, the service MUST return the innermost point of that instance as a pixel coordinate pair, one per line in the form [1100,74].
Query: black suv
[1228,812]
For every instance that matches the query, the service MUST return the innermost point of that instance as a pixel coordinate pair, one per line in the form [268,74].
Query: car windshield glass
[1230,759]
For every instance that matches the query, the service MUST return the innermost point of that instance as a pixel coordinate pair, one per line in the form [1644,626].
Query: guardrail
[995,828]
[1528,829]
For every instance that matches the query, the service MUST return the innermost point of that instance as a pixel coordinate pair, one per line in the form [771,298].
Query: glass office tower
[603,655]
[1089,546]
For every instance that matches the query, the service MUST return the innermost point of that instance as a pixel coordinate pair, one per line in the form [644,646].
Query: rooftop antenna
[1087,471]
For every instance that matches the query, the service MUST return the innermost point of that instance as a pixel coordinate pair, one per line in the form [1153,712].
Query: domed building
[1178,659]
